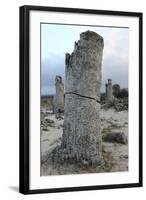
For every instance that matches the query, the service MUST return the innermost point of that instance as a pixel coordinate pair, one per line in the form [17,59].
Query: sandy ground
[115,155]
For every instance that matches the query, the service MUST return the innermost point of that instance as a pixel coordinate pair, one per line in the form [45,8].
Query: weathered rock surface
[83,68]
[81,131]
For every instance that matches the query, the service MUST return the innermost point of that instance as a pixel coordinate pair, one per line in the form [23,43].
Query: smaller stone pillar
[58,100]
[109,92]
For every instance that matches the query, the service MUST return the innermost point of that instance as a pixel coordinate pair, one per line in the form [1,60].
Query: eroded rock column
[58,100]
[109,92]
[81,131]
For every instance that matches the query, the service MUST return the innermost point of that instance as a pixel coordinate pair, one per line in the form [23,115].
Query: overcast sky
[57,40]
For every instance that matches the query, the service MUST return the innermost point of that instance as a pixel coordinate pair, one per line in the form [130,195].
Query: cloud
[116,39]
[115,57]
[115,54]
[50,67]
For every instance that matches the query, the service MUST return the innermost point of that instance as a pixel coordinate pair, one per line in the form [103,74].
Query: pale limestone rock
[81,132]
[58,100]
[109,92]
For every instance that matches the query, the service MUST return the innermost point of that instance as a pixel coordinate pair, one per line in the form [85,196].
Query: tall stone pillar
[109,92]
[82,131]
[58,101]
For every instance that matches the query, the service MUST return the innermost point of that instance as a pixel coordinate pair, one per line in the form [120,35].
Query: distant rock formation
[116,90]
[109,92]
[58,100]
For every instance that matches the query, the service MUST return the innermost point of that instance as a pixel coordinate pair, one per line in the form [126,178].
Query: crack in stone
[92,98]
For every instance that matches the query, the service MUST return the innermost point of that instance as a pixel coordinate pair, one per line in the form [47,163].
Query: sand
[115,155]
